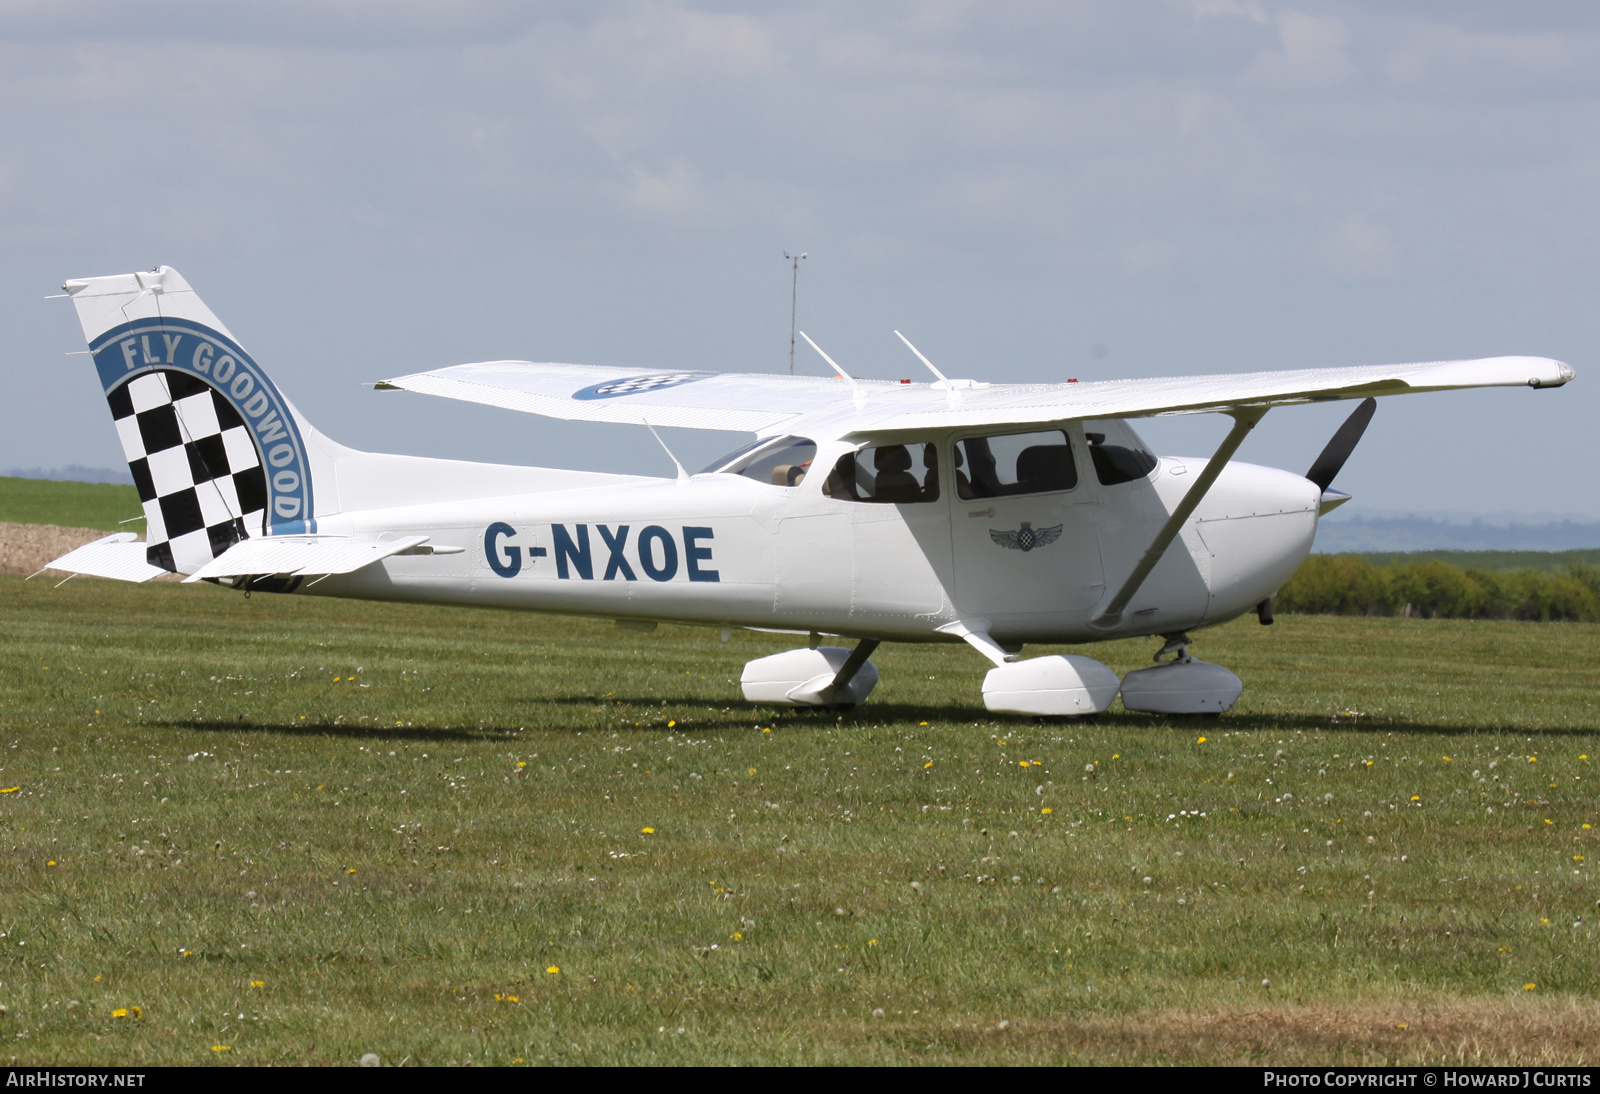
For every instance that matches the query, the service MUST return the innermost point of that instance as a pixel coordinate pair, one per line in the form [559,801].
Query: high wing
[760,403]
[745,402]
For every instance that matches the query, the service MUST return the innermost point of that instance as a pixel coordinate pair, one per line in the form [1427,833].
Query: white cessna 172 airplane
[995,514]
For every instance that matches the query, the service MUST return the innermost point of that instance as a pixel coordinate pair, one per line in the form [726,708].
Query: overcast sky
[1031,191]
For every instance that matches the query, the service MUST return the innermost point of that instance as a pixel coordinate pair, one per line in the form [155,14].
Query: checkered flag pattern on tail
[196,466]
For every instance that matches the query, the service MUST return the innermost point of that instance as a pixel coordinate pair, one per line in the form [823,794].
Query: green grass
[70,504]
[1555,562]
[374,828]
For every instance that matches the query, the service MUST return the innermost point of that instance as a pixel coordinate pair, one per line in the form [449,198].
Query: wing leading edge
[759,403]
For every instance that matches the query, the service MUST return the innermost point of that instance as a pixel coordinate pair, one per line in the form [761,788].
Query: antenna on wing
[683,476]
[943,379]
[943,382]
[843,375]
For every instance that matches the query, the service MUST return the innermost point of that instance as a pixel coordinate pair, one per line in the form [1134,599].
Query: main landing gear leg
[1180,684]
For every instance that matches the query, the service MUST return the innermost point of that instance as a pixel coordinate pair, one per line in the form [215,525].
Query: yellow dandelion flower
[1200,741]
[736,936]
[1547,820]
[927,765]
[648,831]
[1577,858]
[1448,760]
[52,862]
[872,941]
[922,723]
[221,1048]
[98,979]
[554,970]
[258,983]
[1023,763]
[671,724]
[1586,826]
[1529,987]
[512,999]
[350,871]
[120,1012]
[766,729]
[137,1013]
[1047,809]
[1415,798]
[10,790]
[1544,923]
[522,763]
[1400,1025]
[752,771]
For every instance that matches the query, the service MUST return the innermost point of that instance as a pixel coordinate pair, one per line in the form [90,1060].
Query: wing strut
[1244,420]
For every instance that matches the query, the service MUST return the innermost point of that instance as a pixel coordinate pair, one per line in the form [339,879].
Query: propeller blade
[1343,443]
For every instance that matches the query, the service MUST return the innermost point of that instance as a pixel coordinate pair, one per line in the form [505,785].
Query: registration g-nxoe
[952,511]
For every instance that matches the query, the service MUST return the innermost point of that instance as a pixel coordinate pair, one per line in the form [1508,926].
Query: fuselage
[723,549]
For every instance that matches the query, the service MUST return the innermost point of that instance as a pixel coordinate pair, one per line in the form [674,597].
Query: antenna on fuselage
[683,475]
[943,379]
[843,375]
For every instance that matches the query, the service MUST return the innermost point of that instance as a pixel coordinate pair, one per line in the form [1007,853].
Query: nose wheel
[1179,683]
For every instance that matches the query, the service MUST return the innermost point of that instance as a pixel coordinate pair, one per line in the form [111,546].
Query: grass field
[284,830]
[69,504]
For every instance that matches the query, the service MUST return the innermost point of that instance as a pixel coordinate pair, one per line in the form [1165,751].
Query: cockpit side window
[891,474]
[781,461]
[1014,463]
[1118,453]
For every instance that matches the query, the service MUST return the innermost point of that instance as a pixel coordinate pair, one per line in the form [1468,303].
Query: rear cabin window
[1118,453]
[893,474]
[780,462]
[1014,463]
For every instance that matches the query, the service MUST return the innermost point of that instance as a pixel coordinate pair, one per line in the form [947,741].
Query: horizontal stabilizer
[119,556]
[302,555]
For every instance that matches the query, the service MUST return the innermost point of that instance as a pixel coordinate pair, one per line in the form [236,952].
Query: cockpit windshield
[777,461]
[1118,453]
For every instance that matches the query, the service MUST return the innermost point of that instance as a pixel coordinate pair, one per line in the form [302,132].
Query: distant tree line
[1351,585]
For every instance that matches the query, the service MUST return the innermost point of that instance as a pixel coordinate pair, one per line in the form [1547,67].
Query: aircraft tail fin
[218,454]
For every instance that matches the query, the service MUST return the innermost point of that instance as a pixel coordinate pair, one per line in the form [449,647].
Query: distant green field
[288,830]
[70,504]
[1552,561]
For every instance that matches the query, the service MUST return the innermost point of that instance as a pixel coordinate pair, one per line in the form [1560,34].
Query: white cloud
[1358,247]
[1313,51]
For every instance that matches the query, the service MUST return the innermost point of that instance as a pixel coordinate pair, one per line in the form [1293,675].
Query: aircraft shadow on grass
[1156,730]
